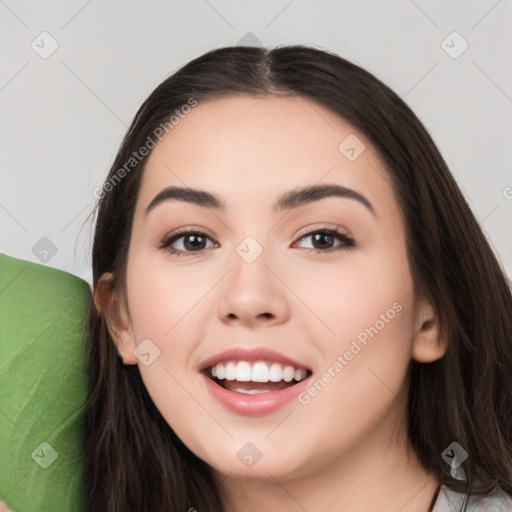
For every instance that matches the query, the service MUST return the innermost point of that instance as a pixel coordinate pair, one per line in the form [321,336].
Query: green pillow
[43,386]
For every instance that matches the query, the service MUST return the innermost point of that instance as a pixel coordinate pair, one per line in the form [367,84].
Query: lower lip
[254,405]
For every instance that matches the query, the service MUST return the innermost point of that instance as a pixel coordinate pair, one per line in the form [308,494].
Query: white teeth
[221,371]
[276,373]
[252,391]
[288,373]
[243,371]
[231,371]
[260,371]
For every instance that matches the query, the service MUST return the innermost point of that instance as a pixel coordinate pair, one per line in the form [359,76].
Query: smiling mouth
[255,378]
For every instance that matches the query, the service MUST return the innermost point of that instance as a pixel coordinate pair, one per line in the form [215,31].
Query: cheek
[163,298]
[364,336]
[165,304]
[354,297]
[361,388]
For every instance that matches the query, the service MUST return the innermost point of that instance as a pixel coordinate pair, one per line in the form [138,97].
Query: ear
[113,309]
[428,346]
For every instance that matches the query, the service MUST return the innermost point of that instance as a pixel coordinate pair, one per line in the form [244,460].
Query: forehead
[242,146]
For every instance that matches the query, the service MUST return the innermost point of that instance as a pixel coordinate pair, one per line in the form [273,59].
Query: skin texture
[345,448]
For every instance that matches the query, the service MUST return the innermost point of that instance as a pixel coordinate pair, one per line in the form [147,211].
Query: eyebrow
[288,201]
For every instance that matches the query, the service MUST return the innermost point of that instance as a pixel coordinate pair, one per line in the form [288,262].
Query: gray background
[64,115]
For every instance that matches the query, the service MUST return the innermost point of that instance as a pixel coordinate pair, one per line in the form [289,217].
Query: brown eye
[323,240]
[190,241]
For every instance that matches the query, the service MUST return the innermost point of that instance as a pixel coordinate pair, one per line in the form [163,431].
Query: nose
[253,294]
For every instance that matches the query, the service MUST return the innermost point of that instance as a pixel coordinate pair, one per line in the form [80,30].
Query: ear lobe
[116,318]
[428,345]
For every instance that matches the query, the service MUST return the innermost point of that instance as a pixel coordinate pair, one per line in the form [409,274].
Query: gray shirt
[451,501]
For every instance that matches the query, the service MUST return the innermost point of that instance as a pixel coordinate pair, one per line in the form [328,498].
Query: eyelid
[321,227]
[188,229]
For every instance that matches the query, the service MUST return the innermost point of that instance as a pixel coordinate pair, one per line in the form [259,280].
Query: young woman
[307,314]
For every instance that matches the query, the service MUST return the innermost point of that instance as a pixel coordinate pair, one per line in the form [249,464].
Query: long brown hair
[132,458]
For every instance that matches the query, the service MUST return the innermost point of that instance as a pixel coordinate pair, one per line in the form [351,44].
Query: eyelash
[348,242]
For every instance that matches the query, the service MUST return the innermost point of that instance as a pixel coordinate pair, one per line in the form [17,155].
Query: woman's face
[342,323]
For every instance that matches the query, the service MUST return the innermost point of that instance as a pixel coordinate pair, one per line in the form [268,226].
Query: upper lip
[254,354]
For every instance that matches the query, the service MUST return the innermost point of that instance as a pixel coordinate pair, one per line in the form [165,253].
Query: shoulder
[451,501]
